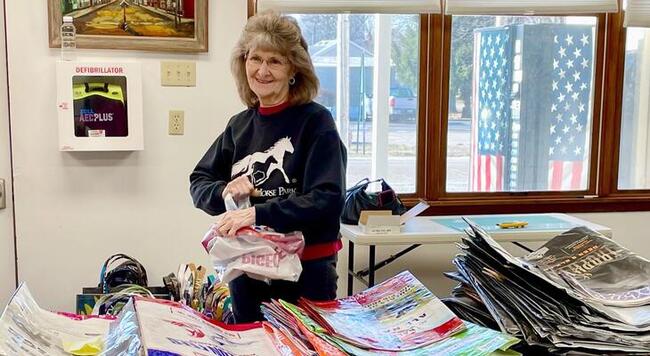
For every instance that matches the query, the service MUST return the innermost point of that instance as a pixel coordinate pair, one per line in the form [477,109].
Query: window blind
[530,7]
[637,13]
[351,6]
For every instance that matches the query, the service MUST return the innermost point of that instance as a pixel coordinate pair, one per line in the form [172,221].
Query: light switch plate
[176,122]
[178,74]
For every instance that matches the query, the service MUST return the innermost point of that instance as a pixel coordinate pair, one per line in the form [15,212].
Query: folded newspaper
[580,291]
[595,266]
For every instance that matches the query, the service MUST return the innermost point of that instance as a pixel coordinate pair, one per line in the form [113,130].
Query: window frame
[614,108]
[602,193]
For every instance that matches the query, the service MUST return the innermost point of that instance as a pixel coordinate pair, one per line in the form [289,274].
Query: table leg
[350,267]
[371,266]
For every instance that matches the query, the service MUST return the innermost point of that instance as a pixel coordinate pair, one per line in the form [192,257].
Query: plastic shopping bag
[258,251]
[28,329]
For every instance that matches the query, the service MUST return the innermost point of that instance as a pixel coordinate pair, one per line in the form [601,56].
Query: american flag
[570,109]
[491,119]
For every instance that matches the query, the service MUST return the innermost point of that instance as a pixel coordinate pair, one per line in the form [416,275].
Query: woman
[286,148]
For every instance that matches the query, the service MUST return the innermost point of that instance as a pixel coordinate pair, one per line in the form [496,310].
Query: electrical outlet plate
[178,74]
[176,122]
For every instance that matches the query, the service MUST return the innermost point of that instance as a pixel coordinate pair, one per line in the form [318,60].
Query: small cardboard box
[383,222]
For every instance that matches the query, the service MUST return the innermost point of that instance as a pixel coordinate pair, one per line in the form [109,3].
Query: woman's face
[268,74]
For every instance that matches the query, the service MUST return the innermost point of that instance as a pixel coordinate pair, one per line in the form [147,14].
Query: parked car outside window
[402,104]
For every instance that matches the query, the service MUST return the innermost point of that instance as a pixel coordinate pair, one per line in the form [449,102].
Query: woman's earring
[292,80]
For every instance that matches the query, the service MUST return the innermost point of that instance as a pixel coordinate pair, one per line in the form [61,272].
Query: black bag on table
[357,199]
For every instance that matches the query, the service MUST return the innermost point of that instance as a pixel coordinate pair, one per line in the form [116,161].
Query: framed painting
[150,25]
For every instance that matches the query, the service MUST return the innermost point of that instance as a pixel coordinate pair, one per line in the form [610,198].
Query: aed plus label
[88,115]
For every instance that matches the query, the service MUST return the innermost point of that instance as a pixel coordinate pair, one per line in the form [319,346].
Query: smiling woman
[287,149]
[282,51]
[269,77]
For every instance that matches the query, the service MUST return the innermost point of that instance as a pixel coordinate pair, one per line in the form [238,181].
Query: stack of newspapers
[579,291]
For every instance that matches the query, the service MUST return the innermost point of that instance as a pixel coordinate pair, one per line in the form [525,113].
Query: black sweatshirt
[294,157]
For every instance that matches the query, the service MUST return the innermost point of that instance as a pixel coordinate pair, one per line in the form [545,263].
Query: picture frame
[149,25]
[99,106]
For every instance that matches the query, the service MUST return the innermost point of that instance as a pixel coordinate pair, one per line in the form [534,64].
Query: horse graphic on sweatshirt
[276,152]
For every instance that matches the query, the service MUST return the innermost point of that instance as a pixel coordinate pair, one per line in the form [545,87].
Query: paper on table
[413,212]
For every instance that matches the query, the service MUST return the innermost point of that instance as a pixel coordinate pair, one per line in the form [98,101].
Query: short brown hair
[274,32]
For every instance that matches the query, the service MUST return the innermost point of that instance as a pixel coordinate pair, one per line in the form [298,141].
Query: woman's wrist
[251,215]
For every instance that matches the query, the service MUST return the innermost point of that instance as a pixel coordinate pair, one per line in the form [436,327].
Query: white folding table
[432,230]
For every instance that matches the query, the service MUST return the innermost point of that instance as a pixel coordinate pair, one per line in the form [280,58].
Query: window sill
[449,206]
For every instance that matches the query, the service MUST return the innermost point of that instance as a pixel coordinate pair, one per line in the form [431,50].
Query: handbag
[357,199]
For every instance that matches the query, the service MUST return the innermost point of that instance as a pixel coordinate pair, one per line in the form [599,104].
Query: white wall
[7,258]
[75,209]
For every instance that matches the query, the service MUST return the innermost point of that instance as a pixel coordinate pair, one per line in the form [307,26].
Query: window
[492,107]
[634,160]
[520,116]
[368,67]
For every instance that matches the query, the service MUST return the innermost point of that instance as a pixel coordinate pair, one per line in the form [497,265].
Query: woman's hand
[229,222]
[240,188]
